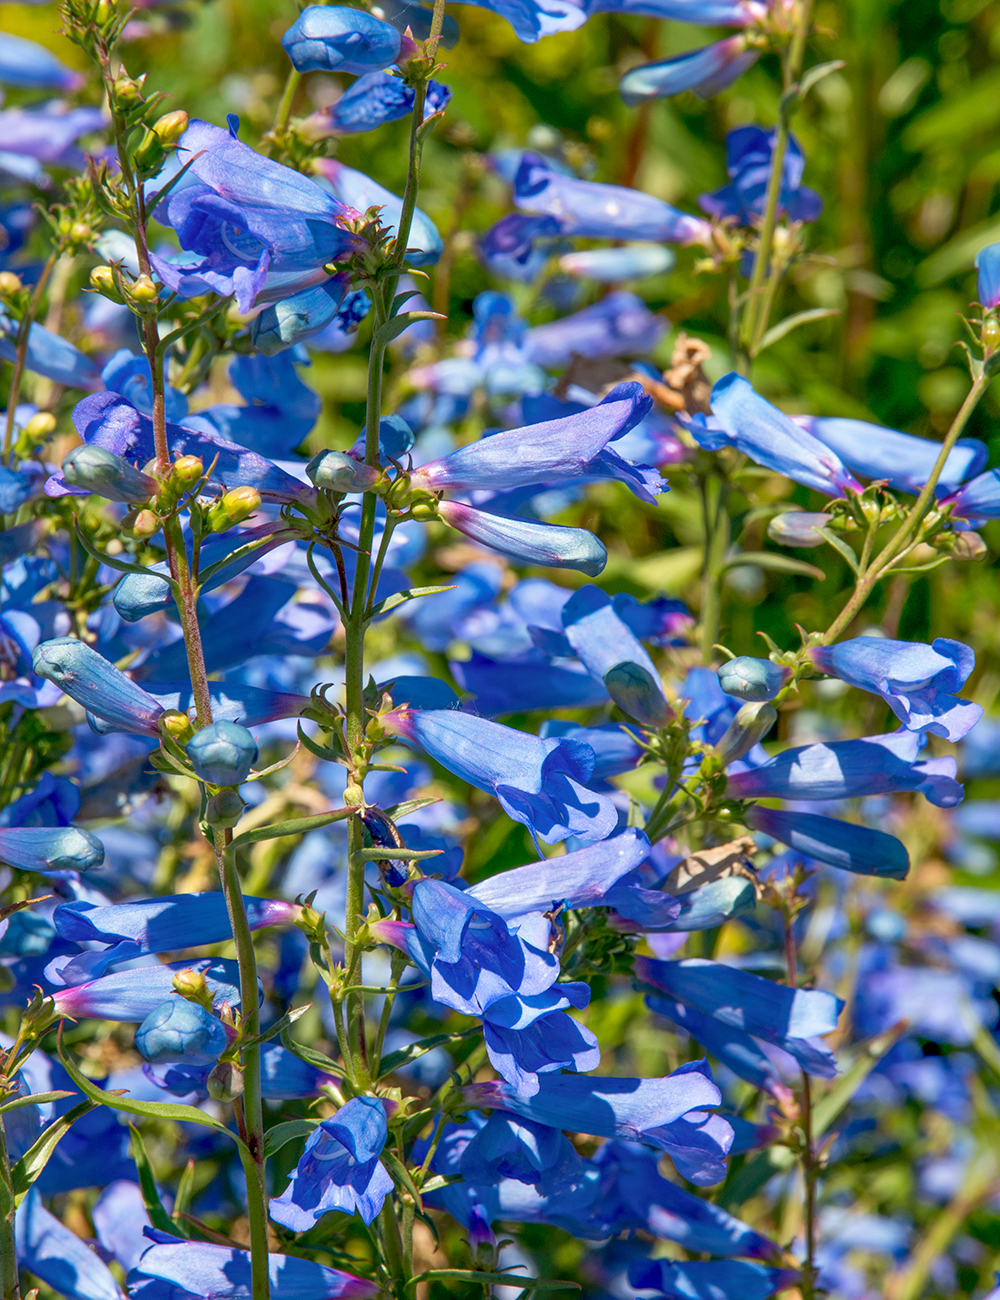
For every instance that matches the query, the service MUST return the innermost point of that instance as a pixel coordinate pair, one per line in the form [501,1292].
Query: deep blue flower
[280,409]
[610,652]
[50,850]
[339,1169]
[743,419]
[376,98]
[620,325]
[851,769]
[533,19]
[705,71]
[988,266]
[860,849]
[710,1280]
[133,994]
[749,153]
[526,540]
[337,39]
[48,354]
[98,685]
[613,265]
[28,64]
[539,783]
[518,246]
[54,1254]
[527,684]
[250,227]
[31,138]
[308,314]
[180,1031]
[977,499]
[917,681]
[360,192]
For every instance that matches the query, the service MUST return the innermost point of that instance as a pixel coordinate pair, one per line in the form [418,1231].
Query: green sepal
[34,1160]
[158,1216]
[297,826]
[401,597]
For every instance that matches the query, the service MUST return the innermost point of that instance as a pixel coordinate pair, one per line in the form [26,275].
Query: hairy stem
[9,1280]
[715,496]
[23,330]
[187,605]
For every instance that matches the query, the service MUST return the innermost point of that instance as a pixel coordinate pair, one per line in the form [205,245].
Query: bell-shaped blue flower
[290,321]
[861,849]
[52,1252]
[337,39]
[50,849]
[749,153]
[360,192]
[48,354]
[610,652]
[131,995]
[180,1031]
[743,419]
[988,267]
[752,679]
[705,72]
[594,210]
[510,1147]
[917,681]
[339,1169]
[222,753]
[851,769]
[539,783]
[102,689]
[715,1279]
[280,409]
[527,540]
[377,98]
[533,19]
[175,1270]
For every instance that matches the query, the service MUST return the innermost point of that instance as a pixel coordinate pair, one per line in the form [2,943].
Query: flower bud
[225,808]
[180,1031]
[193,987]
[145,524]
[103,280]
[142,290]
[338,472]
[187,470]
[126,90]
[223,753]
[969,546]
[40,426]
[225,1083]
[425,512]
[798,528]
[10,284]
[176,725]
[232,508]
[98,470]
[752,679]
[751,725]
[635,691]
[149,151]
[169,128]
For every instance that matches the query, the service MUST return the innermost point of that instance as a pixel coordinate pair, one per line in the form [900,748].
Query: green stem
[894,548]
[23,330]
[715,497]
[254,1161]
[399,962]
[392,1244]
[187,607]
[9,1280]
[287,99]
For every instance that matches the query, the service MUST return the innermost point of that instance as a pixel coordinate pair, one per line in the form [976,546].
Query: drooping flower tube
[181,1031]
[337,39]
[50,849]
[988,285]
[860,849]
[56,1255]
[374,99]
[527,540]
[28,64]
[133,994]
[917,681]
[681,1280]
[752,679]
[705,71]
[619,325]
[613,265]
[539,783]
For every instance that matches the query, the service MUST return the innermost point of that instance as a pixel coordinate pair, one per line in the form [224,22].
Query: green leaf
[400,810]
[279,1136]
[156,1109]
[413,1051]
[394,327]
[400,1175]
[841,547]
[311,1057]
[400,598]
[37,1099]
[776,563]
[868,1055]
[816,74]
[288,1019]
[233,557]
[158,1216]
[441,1180]
[793,322]
[34,1160]
[297,826]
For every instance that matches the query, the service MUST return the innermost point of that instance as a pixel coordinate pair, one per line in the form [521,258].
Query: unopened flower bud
[187,470]
[193,987]
[10,284]
[126,90]
[103,280]
[338,472]
[798,528]
[149,151]
[180,1032]
[169,128]
[752,679]
[222,753]
[969,546]
[424,511]
[225,809]
[989,334]
[142,290]
[145,524]
[98,470]
[176,725]
[638,694]
[748,728]
[232,508]
[225,1083]
[40,426]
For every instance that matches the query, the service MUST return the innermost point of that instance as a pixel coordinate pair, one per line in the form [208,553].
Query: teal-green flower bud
[338,472]
[751,725]
[98,470]
[753,680]
[223,753]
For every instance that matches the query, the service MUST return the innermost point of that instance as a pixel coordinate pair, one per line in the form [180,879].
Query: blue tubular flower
[328,39]
[769,437]
[154,925]
[749,151]
[339,1169]
[222,753]
[733,1047]
[377,98]
[977,499]
[527,684]
[539,783]
[533,19]
[851,769]
[95,469]
[620,325]
[509,247]
[613,265]
[183,1031]
[903,460]
[243,219]
[577,879]
[57,1256]
[528,541]
[615,748]
[102,689]
[48,354]
[132,994]
[705,71]
[281,410]
[715,1279]
[305,314]
[191,1270]
[50,849]
[360,192]
[509,1147]
[28,64]
[988,266]
[752,679]
[610,652]
[860,849]
[700,908]
[593,210]
[917,681]
[557,451]
[790,1018]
